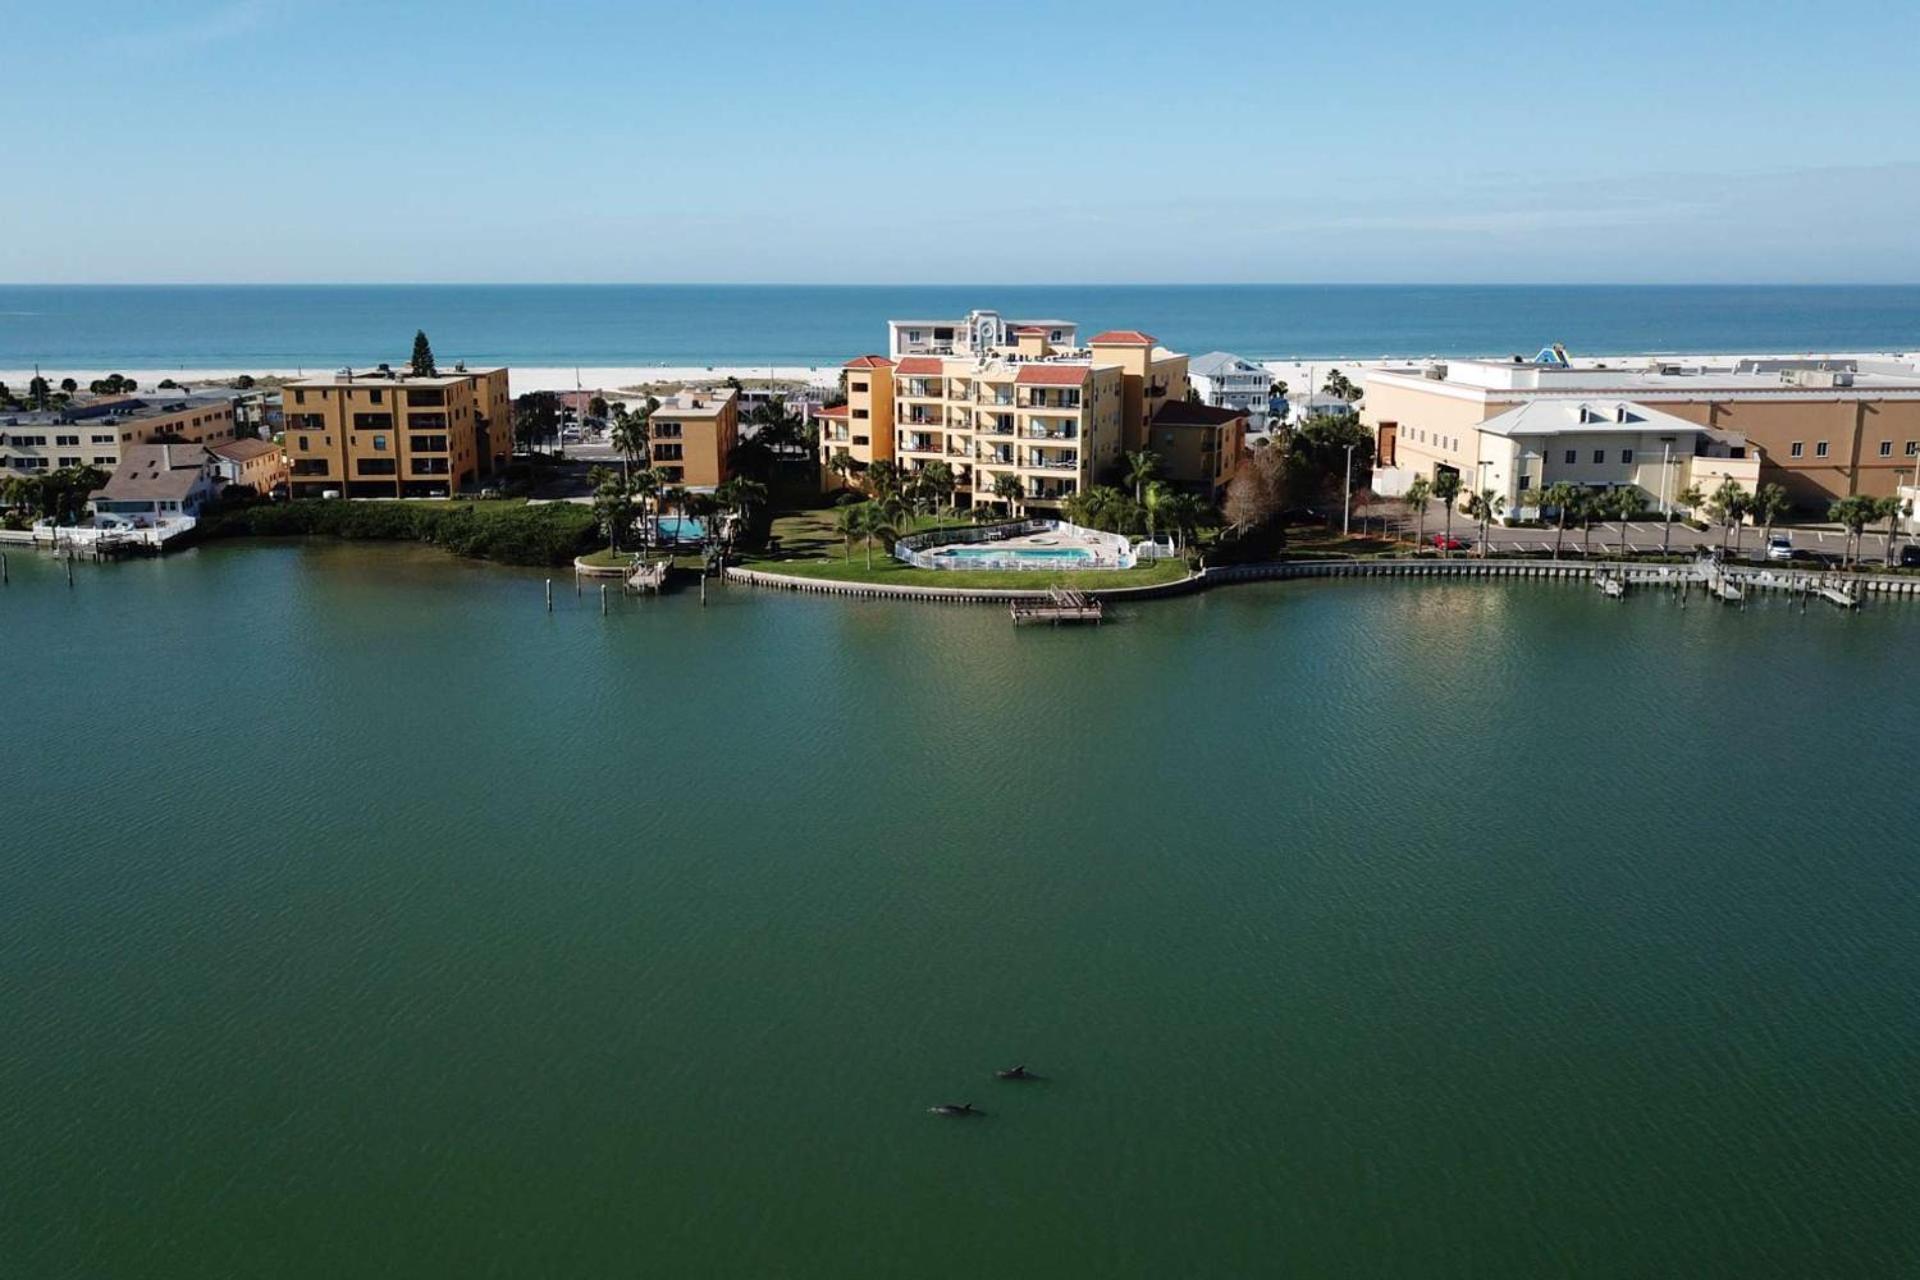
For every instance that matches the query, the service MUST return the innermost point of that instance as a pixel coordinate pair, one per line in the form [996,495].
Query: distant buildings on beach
[99,432]
[1821,429]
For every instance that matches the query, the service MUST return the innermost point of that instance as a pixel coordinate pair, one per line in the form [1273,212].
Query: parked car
[1455,543]
[1780,547]
[1910,556]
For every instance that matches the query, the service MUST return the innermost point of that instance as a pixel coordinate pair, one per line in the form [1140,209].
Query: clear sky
[296,140]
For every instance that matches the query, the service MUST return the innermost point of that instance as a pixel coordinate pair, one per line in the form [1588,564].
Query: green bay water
[359,917]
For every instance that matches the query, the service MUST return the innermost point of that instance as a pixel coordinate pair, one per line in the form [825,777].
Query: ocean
[314,326]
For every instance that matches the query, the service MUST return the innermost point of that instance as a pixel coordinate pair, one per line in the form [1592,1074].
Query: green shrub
[512,533]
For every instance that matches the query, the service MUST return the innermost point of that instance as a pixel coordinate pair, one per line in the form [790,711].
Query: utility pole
[1346,497]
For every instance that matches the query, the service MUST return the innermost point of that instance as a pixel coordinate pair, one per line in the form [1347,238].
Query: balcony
[919,442]
[996,458]
[1038,430]
[1044,463]
[920,418]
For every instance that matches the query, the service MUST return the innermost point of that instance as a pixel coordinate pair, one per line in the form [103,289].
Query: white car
[1780,547]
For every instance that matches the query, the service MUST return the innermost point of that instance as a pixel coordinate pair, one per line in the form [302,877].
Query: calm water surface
[357,917]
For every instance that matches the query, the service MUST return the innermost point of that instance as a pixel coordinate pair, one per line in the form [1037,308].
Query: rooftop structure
[976,333]
[1227,381]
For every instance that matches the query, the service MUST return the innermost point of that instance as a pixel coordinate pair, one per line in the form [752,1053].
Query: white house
[1227,381]
[157,484]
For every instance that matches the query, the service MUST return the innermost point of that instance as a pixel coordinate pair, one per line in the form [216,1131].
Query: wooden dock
[1059,606]
[645,577]
[1837,597]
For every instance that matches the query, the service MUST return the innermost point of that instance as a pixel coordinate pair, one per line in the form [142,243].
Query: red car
[1446,543]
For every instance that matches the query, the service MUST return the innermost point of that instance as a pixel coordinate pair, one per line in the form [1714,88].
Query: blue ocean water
[276,326]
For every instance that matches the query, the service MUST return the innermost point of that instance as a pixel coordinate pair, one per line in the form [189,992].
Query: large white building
[1227,381]
[979,334]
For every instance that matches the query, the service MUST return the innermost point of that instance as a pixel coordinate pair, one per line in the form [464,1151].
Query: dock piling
[603,599]
[549,595]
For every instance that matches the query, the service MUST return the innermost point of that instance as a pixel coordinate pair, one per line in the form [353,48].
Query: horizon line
[937,284]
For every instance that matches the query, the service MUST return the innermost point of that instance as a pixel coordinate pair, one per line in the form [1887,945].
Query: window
[913,335]
[379,444]
[103,439]
[859,413]
[1913,448]
[668,452]
[68,441]
[856,386]
[1886,448]
[1599,455]
[1573,456]
[428,444]
[1526,483]
[1797,449]
[1820,448]
[299,397]
[1055,337]
[427,399]
[376,466]
[102,461]
[72,461]
[377,393]
[372,421]
[1626,457]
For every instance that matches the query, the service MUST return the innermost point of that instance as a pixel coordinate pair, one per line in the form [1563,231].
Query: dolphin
[956,1109]
[1015,1073]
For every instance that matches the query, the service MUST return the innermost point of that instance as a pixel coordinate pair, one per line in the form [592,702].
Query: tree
[841,466]
[846,522]
[741,495]
[69,386]
[1156,505]
[1853,513]
[1446,487]
[1769,503]
[1338,384]
[883,479]
[1891,510]
[1727,505]
[629,436]
[244,382]
[1563,497]
[422,365]
[596,406]
[1692,498]
[1277,389]
[1006,487]
[613,508]
[935,483]
[1257,493]
[39,392]
[1419,497]
[536,417]
[1185,512]
[1624,503]
[1142,467]
[1485,506]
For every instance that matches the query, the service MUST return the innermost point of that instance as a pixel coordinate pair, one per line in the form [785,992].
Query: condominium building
[691,437]
[390,434]
[1199,445]
[98,433]
[1227,381]
[247,463]
[1820,428]
[992,400]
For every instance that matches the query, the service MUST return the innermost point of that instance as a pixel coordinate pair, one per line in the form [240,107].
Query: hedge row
[510,532]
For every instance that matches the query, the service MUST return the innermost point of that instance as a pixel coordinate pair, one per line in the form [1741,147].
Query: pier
[1058,606]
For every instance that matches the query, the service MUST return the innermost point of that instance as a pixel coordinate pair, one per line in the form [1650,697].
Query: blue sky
[985,141]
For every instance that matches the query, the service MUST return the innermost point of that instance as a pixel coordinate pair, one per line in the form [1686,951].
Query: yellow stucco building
[391,434]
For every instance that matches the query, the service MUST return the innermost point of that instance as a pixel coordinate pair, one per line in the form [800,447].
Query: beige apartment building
[691,437]
[390,434]
[98,433]
[1820,428]
[993,399]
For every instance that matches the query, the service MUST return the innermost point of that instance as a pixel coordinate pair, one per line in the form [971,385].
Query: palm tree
[1006,487]
[1446,487]
[1586,505]
[1891,510]
[935,481]
[1156,505]
[841,465]
[1853,513]
[1769,504]
[1728,504]
[847,522]
[629,436]
[1142,467]
[1184,512]
[1419,497]
[1692,497]
[1624,502]
[1485,506]
[1562,497]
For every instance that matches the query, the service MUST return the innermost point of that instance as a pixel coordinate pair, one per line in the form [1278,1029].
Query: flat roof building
[691,437]
[1822,428]
[97,433]
[390,434]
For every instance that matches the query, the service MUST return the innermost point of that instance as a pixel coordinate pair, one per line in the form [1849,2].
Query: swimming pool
[678,529]
[1049,555]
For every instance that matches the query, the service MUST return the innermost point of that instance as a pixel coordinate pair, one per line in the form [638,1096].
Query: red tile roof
[831,411]
[1051,375]
[1029,328]
[920,365]
[1122,338]
[869,362]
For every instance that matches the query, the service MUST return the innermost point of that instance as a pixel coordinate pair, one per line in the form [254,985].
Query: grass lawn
[811,548]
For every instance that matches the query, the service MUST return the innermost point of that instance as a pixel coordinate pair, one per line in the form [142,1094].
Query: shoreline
[1296,371]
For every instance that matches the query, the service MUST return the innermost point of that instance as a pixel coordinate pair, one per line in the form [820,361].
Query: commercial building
[1820,428]
[97,433]
[991,399]
[259,465]
[1199,445]
[1227,381]
[390,434]
[691,437]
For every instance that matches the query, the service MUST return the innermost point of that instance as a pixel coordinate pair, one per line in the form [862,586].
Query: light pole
[1346,496]
[1479,495]
[1666,512]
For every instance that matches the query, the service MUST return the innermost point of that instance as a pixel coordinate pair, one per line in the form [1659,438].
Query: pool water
[1013,553]
[680,528]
